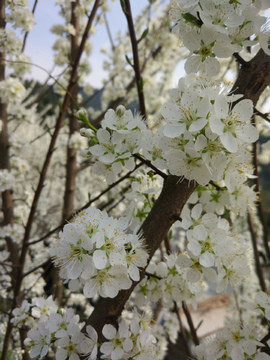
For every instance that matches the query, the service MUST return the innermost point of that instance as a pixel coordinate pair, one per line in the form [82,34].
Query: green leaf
[47,128]
[141,84]
[89,196]
[190,18]
[189,335]
[60,105]
[128,60]
[200,323]
[144,34]
[123,6]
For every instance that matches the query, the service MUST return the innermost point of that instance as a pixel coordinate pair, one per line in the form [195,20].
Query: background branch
[136,61]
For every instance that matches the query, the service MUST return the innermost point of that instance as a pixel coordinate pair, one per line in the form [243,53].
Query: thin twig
[238,308]
[86,205]
[109,31]
[148,163]
[153,275]
[216,186]
[114,205]
[190,323]
[182,329]
[41,135]
[49,74]
[262,115]
[43,173]
[27,32]
[136,60]
[38,278]
[47,262]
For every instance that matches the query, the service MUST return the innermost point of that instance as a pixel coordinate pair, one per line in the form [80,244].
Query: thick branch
[252,80]
[259,202]
[156,226]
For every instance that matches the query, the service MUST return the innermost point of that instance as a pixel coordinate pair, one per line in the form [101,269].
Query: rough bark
[253,77]
[7,196]
[73,124]
[251,82]
[71,167]
[156,226]
[72,83]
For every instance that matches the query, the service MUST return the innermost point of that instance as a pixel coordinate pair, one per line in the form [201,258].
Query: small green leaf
[60,105]
[200,323]
[144,34]
[128,60]
[189,335]
[123,6]
[189,17]
[141,83]
[89,196]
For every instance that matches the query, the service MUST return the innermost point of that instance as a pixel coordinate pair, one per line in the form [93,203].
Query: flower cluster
[217,28]
[144,189]
[52,326]
[237,341]
[206,136]
[114,144]
[95,250]
[169,282]
[210,243]
[20,16]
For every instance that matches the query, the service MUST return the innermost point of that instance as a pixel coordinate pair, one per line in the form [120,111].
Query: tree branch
[190,323]
[43,174]
[264,116]
[148,163]
[259,202]
[86,205]
[136,60]
[155,227]
[256,252]
[27,32]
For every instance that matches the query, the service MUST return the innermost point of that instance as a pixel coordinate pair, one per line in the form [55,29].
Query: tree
[189,167]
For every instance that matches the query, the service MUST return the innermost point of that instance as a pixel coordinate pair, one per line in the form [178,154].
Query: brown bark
[136,60]
[251,82]
[253,77]
[156,226]
[73,124]
[7,196]
[71,167]
[72,83]
[259,202]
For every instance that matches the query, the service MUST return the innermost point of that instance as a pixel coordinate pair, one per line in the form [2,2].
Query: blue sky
[40,39]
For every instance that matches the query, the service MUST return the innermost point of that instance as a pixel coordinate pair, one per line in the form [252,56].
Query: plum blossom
[232,125]
[39,340]
[119,343]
